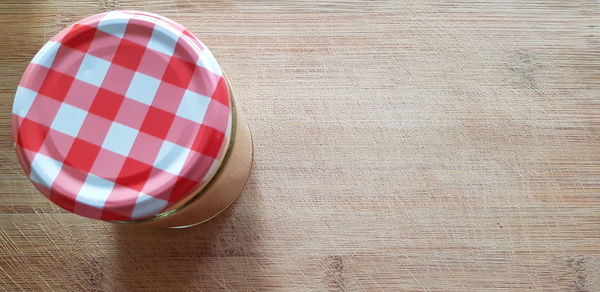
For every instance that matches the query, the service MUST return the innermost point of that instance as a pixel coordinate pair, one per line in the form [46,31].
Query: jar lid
[122,115]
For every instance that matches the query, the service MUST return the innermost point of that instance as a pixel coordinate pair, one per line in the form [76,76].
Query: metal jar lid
[122,115]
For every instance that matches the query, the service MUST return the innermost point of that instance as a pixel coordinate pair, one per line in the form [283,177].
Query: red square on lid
[106,104]
[134,174]
[157,122]
[32,135]
[79,37]
[182,187]
[82,155]
[208,141]
[179,72]
[62,200]
[138,31]
[56,85]
[221,93]
[129,54]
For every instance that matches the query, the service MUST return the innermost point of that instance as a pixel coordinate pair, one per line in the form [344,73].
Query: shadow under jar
[127,117]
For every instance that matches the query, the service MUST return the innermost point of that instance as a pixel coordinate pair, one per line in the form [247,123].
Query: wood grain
[399,145]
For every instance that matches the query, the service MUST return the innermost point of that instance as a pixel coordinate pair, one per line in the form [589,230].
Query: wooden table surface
[399,145]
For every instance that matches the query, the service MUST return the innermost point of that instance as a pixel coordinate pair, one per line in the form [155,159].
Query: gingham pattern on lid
[121,115]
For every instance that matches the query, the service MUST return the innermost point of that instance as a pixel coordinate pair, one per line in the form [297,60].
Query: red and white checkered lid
[122,115]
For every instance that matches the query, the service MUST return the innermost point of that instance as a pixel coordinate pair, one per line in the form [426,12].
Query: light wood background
[399,145]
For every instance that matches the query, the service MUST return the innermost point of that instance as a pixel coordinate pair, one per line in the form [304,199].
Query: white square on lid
[45,56]
[23,100]
[92,70]
[164,39]
[120,138]
[171,157]
[208,61]
[147,205]
[142,88]
[94,191]
[44,170]
[193,106]
[114,23]
[69,119]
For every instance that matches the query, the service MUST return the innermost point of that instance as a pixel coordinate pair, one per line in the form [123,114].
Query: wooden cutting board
[399,145]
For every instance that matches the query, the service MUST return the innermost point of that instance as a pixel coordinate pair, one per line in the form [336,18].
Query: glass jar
[127,117]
